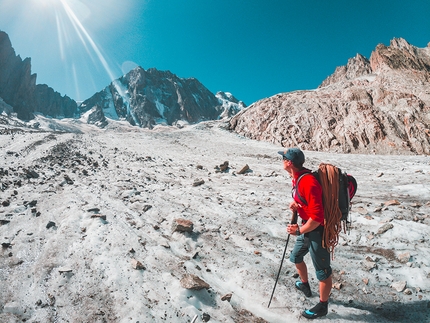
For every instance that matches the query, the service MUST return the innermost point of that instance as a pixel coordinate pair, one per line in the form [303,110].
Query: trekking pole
[293,221]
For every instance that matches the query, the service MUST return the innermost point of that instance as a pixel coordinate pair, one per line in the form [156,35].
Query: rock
[193,282]
[182,225]
[227,297]
[100,216]
[32,174]
[51,300]
[337,286]
[404,257]
[385,228]
[369,265]
[198,182]
[399,286]
[64,270]
[50,224]
[3,222]
[206,317]
[361,210]
[244,169]
[223,167]
[392,202]
[407,291]
[137,264]
[146,207]
[31,204]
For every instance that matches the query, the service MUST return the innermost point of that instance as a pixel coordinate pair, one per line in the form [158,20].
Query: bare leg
[302,270]
[325,288]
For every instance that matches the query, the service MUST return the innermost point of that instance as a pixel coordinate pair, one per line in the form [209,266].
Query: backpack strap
[295,190]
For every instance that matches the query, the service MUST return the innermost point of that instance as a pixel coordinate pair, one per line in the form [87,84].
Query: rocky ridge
[380,105]
[18,88]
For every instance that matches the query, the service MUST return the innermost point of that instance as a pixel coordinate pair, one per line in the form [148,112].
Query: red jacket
[310,189]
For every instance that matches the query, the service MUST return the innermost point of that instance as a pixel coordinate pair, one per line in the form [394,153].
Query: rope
[329,179]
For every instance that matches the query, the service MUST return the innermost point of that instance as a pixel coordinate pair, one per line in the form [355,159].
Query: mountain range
[379,105]
[143,98]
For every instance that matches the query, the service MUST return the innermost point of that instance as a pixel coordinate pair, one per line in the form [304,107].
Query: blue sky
[253,49]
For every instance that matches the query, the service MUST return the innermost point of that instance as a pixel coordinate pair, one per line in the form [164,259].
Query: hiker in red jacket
[309,234]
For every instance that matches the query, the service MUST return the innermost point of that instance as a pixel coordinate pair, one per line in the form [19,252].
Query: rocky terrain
[380,105]
[124,224]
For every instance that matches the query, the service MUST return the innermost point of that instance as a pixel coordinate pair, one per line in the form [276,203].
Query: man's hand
[294,206]
[292,228]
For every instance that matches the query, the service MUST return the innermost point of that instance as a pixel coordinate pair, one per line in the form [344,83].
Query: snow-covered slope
[76,208]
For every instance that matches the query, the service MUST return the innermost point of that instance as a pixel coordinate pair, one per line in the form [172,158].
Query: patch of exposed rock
[379,105]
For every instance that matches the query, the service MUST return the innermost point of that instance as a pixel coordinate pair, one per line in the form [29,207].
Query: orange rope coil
[329,179]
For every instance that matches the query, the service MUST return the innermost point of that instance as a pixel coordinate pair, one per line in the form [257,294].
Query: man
[309,234]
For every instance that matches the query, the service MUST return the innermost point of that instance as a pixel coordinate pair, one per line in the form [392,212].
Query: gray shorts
[312,242]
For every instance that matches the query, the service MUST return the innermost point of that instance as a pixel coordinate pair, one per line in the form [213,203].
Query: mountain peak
[149,97]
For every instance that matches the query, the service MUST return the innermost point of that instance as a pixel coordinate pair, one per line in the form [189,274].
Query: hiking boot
[318,310]
[305,288]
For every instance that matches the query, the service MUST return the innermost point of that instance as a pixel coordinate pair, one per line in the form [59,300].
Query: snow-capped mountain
[149,97]
[230,106]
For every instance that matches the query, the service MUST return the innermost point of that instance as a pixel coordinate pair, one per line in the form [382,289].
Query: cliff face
[18,87]
[17,84]
[149,97]
[381,105]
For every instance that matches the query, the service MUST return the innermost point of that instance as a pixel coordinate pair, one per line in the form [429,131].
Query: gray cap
[293,154]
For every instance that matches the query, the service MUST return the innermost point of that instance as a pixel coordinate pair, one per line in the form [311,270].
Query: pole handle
[294,217]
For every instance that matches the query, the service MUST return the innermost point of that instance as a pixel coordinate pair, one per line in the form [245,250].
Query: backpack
[338,189]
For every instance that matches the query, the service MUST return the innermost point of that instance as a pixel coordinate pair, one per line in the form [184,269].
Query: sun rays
[69,35]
